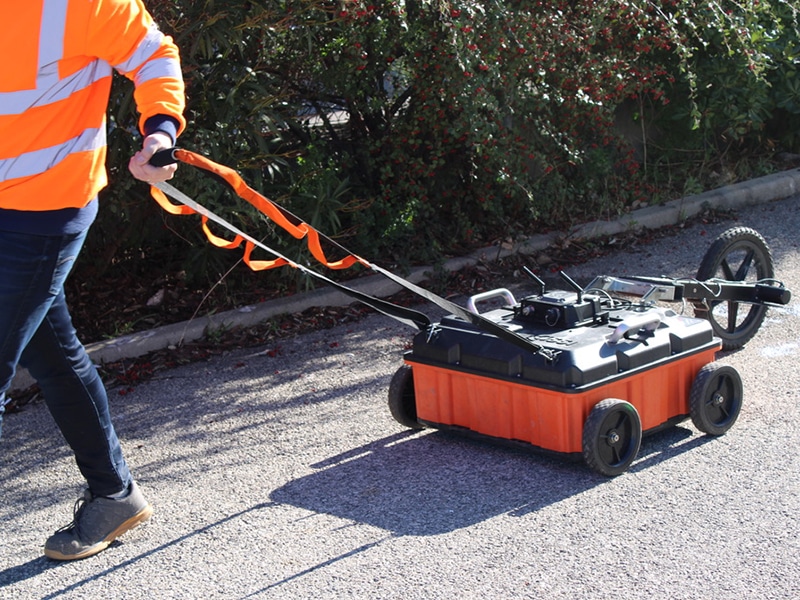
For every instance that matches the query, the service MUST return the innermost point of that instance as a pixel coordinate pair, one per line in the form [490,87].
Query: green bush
[415,129]
[739,65]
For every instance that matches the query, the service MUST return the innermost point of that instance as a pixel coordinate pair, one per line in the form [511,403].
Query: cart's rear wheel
[738,254]
[715,398]
[402,403]
[612,435]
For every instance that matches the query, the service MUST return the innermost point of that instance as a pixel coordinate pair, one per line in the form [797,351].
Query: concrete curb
[757,191]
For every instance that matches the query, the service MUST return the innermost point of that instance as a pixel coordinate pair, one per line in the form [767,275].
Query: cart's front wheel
[715,398]
[402,403]
[738,254]
[612,435]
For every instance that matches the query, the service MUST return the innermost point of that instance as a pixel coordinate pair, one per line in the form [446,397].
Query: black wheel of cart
[402,403]
[715,398]
[738,254]
[612,435]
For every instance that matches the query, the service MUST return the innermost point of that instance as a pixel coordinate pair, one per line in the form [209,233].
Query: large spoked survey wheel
[715,398]
[738,254]
[612,435]
[402,403]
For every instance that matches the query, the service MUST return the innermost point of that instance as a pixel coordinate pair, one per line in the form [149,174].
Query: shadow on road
[431,483]
[36,567]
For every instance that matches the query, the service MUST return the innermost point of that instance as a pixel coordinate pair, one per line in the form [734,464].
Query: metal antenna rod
[572,284]
[536,278]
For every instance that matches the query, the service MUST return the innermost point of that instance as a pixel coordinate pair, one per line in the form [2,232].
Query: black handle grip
[775,295]
[162,158]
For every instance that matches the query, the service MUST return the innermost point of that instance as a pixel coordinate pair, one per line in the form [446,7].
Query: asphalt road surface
[279,473]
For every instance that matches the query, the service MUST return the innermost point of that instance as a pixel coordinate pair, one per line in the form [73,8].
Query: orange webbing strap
[300,229]
[182,209]
[273,212]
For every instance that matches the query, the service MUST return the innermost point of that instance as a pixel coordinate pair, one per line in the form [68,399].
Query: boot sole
[136,520]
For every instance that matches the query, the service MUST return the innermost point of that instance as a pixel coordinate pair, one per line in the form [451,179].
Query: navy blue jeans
[36,332]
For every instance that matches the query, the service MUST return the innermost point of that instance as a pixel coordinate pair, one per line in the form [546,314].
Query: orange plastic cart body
[464,379]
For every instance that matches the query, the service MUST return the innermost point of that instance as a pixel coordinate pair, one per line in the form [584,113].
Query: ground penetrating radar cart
[581,371]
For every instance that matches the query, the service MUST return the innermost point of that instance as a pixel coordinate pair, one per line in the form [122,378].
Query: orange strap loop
[163,202]
[261,203]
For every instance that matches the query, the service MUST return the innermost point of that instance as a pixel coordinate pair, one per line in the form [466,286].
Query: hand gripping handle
[162,158]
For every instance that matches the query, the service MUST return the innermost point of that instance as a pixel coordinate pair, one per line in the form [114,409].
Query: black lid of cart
[581,354]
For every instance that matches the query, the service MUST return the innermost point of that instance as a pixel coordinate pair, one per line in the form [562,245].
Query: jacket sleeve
[124,34]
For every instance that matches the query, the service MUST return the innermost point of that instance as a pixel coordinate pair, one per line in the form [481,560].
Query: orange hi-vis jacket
[55,80]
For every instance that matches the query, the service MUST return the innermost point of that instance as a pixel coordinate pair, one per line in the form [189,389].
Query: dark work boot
[97,522]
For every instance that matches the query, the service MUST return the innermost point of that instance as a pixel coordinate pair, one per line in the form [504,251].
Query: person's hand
[139,164]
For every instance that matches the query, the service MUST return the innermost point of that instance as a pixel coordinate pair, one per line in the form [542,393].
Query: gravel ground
[278,472]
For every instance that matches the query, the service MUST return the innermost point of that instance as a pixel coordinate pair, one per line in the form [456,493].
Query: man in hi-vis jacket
[55,79]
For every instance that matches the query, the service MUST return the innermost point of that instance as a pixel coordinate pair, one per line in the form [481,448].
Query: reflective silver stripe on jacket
[37,162]
[51,34]
[149,68]
[146,48]
[51,50]
[160,67]
[50,89]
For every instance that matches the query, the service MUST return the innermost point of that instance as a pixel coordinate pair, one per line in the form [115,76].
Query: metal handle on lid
[483,296]
[648,321]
